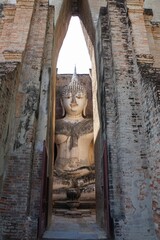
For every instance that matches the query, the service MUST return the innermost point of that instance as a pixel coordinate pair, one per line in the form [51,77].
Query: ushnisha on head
[74,87]
[74,98]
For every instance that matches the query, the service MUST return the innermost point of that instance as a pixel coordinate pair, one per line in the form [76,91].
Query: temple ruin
[123,39]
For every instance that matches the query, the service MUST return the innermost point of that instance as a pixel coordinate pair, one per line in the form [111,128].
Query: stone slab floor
[69,228]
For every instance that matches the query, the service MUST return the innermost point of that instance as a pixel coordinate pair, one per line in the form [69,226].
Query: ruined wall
[14,33]
[150,96]
[127,55]
[8,87]
[21,186]
[128,101]
[149,64]
[151,107]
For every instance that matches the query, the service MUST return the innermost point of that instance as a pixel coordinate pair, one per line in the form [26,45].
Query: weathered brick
[126,45]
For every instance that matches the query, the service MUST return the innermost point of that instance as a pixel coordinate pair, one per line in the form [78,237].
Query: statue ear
[84,109]
[63,110]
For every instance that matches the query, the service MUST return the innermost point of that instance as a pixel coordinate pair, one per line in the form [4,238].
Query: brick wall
[151,107]
[14,33]
[20,200]
[128,106]
[123,122]
[8,87]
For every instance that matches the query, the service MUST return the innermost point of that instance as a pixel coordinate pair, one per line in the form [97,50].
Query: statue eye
[67,96]
[79,96]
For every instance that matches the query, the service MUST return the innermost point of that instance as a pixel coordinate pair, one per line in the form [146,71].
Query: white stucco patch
[155,6]
[7,1]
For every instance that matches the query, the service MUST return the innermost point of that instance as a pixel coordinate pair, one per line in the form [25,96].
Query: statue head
[74,98]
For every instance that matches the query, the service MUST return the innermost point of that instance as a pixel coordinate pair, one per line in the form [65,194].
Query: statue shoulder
[62,127]
[68,128]
[86,126]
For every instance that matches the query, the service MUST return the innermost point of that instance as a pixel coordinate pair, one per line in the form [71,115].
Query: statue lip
[73,110]
[73,105]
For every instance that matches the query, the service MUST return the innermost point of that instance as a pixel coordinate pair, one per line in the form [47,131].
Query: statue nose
[73,102]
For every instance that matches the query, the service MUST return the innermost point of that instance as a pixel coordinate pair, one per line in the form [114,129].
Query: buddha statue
[74,133]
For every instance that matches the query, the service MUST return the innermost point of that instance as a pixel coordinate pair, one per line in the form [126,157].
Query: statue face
[74,103]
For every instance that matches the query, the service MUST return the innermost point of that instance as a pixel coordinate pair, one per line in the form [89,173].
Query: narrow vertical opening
[61,78]
[74,164]
[74,51]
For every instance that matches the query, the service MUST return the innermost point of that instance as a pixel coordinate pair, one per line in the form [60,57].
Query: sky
[74,50]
